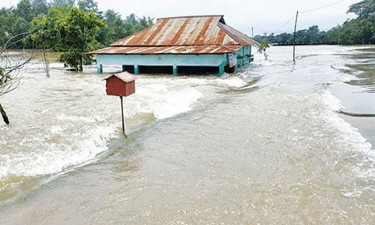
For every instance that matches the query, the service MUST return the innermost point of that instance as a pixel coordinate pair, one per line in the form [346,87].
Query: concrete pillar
[100,68]
[221,69]
[175,70]
[136,69]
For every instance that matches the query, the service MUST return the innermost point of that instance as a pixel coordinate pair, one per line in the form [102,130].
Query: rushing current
[273,143]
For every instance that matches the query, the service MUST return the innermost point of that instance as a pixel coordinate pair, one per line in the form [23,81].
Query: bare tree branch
[4,114]
[10,67]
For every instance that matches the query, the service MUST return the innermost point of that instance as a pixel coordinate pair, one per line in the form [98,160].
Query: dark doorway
[198,70]
[156,69]
[128,68]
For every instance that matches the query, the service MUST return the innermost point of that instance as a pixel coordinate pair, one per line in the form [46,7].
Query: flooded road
[274,143]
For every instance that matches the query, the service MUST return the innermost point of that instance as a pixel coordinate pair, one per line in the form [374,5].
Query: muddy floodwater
[273,143]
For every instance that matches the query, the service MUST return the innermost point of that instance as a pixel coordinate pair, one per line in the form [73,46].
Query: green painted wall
[244,56]
[162,60]
[175,60]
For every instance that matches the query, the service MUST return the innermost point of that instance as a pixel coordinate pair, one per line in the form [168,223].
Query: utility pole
[294,44]
[252,32]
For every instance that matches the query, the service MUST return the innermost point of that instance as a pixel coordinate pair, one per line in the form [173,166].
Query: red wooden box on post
[121,84]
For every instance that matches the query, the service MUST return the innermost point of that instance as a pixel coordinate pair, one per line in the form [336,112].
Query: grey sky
[269,16]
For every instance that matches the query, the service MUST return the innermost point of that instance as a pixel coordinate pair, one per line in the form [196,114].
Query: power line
[290,20]
[307,11]
[322,7]
[310,10]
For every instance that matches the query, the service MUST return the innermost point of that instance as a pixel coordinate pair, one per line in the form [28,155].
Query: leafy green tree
[360,30]
[45,33]
[356,31]
[118,28]
[332,36]
[39,7]
[13,28]
[263,47]
[88,5]
[132,24]
[79,30]
[284,38]
[309,36]
[45,29]
[363,8]
[114,30]
[73,33]
[62,3]
[24,10]
[367,31]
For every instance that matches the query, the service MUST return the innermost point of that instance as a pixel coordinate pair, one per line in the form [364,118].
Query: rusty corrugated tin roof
[184,35]
[203,49]
[239,37]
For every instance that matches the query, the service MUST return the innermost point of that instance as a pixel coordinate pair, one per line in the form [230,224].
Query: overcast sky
[266,16]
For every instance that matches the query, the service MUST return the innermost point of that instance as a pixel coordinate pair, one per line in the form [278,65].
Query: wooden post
[294,44]
[122,116]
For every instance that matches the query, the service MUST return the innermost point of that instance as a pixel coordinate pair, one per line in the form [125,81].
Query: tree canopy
[79,32]
[70,26]
[310,36]
[363,8]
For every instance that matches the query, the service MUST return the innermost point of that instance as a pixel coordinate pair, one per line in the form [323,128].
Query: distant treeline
[17,22]
[360,30]
[71,27]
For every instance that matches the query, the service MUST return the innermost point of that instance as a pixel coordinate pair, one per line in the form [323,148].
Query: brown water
[266,145]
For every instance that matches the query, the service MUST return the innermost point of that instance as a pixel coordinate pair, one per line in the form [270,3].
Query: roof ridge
[237,38]
[192,16]
[186,45]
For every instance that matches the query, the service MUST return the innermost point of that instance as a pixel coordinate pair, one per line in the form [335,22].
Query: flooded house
[180,45]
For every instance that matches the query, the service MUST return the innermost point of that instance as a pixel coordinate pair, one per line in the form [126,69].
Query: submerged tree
[79,36]
[263,47]
[45,34]
[3,81]
[72,32]
[9,73]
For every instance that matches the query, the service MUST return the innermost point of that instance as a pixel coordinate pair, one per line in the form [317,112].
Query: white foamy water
[68,120]
[348,134]
[235,82]
[43,158]
[264,145]
[162,100]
